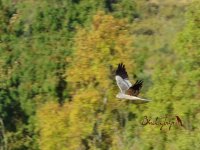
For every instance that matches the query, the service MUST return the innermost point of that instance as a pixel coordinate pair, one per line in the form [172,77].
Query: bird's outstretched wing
[121,71]
[134,90]
[122,78]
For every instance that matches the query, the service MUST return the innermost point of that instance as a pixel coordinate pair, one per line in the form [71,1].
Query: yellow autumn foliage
[92,117]
[53,123]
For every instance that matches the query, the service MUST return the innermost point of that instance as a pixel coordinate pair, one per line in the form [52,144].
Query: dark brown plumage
[134,90]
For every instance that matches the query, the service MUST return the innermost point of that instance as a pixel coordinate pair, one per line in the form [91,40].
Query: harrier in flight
[127,90]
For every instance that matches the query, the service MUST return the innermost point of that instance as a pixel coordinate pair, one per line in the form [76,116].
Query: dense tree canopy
[57,67]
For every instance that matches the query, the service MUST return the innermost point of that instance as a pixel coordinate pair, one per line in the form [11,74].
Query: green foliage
[176,86]
[57,63]
[126,9]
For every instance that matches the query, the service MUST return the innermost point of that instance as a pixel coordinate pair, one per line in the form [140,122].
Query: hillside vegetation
[57,74]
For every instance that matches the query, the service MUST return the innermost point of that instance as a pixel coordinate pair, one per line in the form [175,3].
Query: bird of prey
[127,90]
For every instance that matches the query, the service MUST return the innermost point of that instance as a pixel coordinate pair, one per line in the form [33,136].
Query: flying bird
[127,89]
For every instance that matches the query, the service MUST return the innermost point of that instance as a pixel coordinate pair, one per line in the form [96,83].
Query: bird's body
[127,90]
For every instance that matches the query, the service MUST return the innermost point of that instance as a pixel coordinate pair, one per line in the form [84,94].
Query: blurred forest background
[57,67]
